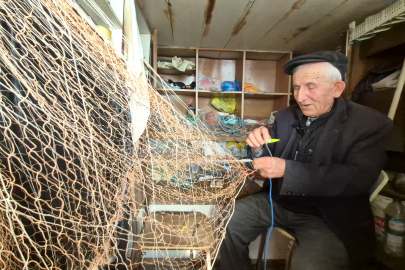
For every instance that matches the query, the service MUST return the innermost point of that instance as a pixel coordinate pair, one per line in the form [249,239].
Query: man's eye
[296,88]
[311,86]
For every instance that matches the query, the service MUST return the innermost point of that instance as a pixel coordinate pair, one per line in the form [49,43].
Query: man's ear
[339,87]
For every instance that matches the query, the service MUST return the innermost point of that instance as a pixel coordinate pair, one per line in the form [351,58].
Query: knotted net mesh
[98,170]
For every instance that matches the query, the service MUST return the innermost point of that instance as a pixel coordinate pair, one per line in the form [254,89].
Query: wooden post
[209,266]
[155,54]
[398,92]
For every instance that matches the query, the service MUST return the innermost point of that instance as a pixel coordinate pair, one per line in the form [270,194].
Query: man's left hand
[270,167]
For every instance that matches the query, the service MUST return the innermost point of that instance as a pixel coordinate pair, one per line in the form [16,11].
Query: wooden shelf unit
[260,68]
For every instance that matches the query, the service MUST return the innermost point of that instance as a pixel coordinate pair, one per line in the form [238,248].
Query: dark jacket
[346,162]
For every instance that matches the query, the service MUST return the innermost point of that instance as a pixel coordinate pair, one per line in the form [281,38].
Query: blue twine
[271,227]
[234,126]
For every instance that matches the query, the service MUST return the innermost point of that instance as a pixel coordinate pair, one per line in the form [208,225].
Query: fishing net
[98,170]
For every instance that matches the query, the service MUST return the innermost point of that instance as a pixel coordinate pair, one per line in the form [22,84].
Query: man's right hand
[257,138]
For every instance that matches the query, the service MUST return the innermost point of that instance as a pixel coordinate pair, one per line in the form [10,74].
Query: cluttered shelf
[231,92]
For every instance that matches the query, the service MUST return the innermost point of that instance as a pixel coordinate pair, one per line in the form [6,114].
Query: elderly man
[330,154]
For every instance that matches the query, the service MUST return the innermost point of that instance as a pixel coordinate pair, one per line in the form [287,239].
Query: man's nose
[301,95]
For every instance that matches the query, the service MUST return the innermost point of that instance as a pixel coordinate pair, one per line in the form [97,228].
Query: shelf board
[224,94]
[183,92]
[173,71]
[249,95]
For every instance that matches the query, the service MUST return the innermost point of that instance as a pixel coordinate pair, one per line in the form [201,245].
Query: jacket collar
[339,109]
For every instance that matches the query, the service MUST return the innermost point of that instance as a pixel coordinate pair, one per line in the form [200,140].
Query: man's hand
[270,167]
[257,138]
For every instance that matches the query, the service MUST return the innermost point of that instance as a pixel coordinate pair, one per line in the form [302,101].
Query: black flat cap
[337,59]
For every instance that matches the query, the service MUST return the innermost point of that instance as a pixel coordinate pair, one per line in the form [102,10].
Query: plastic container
[395,228]
[190,109]
[378,205]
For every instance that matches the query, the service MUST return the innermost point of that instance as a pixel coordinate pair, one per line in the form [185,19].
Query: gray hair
[331,72]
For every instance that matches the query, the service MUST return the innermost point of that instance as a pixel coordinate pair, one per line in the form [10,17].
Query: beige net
[98,170]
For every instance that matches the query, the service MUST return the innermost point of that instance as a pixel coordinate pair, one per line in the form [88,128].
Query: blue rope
[271,228]
[234,126]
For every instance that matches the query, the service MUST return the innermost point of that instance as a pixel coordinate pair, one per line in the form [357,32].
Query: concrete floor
[393,263]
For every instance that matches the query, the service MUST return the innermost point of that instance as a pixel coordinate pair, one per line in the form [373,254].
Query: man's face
[314,93]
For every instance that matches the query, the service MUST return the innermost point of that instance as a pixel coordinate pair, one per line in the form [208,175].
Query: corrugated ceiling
[301,26]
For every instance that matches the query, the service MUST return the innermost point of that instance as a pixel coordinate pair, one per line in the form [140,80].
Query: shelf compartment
[265,71]
[204,102]
[166,54]
[261,74]
[221,65]
[187,80]
[259,109]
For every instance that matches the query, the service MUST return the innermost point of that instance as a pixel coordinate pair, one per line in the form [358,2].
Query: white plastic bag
[207,83]
[390,81]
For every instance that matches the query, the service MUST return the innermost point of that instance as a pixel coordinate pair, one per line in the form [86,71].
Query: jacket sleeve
[354,177]
[270,146]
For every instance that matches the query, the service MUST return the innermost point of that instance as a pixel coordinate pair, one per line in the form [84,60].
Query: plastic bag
[390,81]
[224,104]
[209,118]
[182,65]
[272,117]
[237,148]
[252,88]
[213,148]
[234,150]
[230,86]
[176,63]
[239,145]
[207,83]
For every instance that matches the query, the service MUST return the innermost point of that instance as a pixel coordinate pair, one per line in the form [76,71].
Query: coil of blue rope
[234,126]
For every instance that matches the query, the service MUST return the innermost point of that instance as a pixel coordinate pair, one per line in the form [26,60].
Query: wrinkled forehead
[310,73]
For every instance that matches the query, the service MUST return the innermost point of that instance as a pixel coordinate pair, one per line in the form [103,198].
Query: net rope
[99,170]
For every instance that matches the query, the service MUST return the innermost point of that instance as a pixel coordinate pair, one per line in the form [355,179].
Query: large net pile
[98,170]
